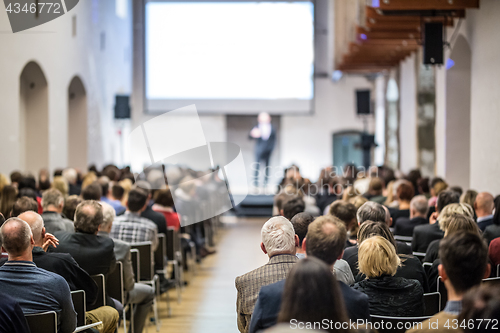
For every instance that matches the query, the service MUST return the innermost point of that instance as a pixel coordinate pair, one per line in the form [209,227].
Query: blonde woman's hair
[377,257]
[460,223]
[60,183]
[88,179]
[3,181]
[358,201]
[452,209]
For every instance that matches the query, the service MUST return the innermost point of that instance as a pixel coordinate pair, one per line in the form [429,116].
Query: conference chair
[419,255]
[101,287]
[161,256]
[45,322]
[116,289]
[498,270]
[427,267]
[134,257]
[407,239]
[146,273]
[493,281]
[387,324]
[432,303]
[441,289]
[79,303]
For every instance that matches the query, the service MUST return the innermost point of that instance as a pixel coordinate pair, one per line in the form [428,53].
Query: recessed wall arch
[77,124]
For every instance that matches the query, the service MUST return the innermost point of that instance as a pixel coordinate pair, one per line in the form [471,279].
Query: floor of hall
[209,301]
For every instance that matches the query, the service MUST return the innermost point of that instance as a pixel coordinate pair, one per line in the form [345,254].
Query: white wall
[479,29]
[408,114]
[62,56]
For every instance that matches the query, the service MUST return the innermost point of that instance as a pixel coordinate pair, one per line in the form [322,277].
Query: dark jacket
[264,148]
[405,226]
[268,305]
[491,232]
[11,315]
[411,268]
[93,253]
[423,235]
[398,214]
[351,255]
[64,265]
[484,224]
[157,218]
[432,251]
[393,296]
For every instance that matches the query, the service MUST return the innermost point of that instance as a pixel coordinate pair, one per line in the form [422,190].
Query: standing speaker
[122,107]
[363,102]
[433,43]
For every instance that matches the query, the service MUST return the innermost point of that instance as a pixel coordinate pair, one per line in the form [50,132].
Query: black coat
[268,305]
[491,232]
[423,235]
[405,226]
[393,296]
[263,148]
[95,254]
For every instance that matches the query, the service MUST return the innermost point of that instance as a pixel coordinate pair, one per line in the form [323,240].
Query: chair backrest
[78,298]
[432,303]
[419,255]
[493,281]
[161,251]
[101,293]
[146,259]
[498,270]
[136,265]
[396,324]
[45,322]
[171,243]
[427,267]
[406,239]
[114,283]
[442,291]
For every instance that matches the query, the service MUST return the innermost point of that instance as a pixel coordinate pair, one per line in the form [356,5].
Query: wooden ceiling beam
[427,4]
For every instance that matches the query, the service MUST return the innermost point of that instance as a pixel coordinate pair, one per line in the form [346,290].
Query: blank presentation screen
[230,57]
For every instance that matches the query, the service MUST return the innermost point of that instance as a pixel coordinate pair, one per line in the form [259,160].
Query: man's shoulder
[273,289]
[440,322]
[267,271]
[352,294]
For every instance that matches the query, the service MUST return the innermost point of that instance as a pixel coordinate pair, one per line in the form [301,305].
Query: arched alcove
[34,114]
[77,124]
[458,98]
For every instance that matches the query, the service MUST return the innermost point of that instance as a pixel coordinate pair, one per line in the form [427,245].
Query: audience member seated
[410,268]
[35,289]
[376,190]
[92,252]
[423,235]
[456,223]
[300,224]
[469,197]
[12,316]
[388,295]
[92,191]
[278,242]
[149,213]
[131,227]
[438,185]
[464,258]
[24,204]
[64,265]
[70,204]
[346,212]
[72,177]
[139,294]
[371,211]
[494,251]
[448,214]
[108,198]
[292,207]
[481,306]
[7,199]
[164,204]
[418,213]
[325,241]
[404,194]
[311,295]
[493,231]
[483,206]
[52,204]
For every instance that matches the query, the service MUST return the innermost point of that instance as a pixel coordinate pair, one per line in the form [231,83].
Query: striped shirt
[132,228]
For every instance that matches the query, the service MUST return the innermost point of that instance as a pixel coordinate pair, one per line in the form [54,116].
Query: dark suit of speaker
[263,150]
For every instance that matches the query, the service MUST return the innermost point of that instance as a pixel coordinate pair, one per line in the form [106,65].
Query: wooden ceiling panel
[427,4]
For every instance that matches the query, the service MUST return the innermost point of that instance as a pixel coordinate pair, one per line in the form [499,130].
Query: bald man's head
[484,204]
[35,222]
[16,237]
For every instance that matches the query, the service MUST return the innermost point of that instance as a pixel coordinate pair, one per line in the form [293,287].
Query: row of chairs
[46,322]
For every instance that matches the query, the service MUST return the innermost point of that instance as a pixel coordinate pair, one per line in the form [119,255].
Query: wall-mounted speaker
[363,102]
[122,107]
[433,43]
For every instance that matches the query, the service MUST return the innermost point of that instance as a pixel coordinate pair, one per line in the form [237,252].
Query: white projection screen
[229,57]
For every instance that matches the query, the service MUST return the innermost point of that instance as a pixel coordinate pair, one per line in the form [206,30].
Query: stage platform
[255,205]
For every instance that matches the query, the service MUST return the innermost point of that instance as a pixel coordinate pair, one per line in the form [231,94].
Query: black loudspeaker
[363,102]
[122,107]
[433,43]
